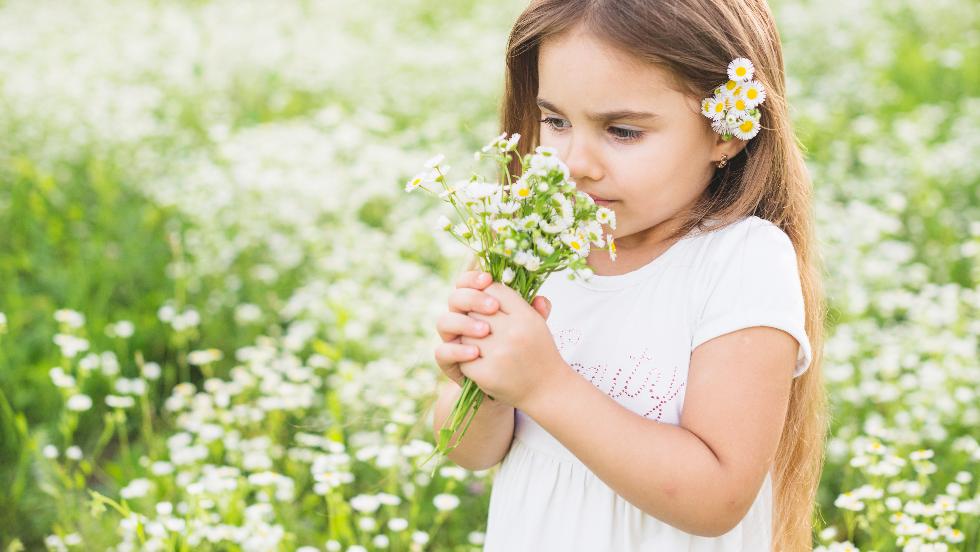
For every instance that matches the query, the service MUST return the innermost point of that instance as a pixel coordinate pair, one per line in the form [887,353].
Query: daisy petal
[741,69]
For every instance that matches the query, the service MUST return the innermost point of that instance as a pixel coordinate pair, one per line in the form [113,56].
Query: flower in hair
[733,105]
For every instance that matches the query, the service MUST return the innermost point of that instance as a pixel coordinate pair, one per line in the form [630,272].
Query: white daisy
[509,245]
[521,257]
[720,126]
[606,216]
[739,107]
[419,181]
[544,246]
[746,129]
[553,225]
[521,188]
[481,190]
[435,161]
[476,206]
[716,107]
[593,232]
[529,222]
[532,262]
[501,225]
[755,93]
[508,207]
[565,173]
[612,247]
[494,143]
[567,211]
[576,242]
[511,144]
[729,87]
[741,69]
[543,164]
[508,275]
[706,107]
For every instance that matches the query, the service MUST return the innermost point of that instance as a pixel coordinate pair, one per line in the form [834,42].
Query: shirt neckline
[620,281]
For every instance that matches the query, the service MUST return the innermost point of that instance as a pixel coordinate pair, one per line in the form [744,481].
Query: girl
[673,401]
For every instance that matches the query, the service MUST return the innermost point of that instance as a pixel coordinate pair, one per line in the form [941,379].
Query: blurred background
[217,303]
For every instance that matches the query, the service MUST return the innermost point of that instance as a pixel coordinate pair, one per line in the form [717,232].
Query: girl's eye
[550,121]
[621,134]
[626,134]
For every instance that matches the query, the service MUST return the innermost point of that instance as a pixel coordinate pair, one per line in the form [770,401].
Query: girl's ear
[731,147]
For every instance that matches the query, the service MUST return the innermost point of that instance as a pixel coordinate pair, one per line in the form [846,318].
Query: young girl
[674,401]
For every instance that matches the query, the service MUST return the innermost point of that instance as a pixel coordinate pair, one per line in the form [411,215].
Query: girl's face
[626,135]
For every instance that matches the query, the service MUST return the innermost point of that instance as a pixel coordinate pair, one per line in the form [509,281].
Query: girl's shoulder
[749,235]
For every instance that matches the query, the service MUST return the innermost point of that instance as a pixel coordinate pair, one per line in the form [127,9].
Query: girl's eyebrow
[604,116]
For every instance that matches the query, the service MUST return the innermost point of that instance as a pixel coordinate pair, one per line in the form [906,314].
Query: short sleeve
[753,280]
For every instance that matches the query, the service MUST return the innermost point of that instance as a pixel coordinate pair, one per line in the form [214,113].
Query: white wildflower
[445,502]
[70,318]
[79,402]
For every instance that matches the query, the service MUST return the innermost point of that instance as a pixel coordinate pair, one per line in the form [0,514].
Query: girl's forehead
[580,61]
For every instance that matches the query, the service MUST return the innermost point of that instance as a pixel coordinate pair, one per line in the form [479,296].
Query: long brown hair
[694,40]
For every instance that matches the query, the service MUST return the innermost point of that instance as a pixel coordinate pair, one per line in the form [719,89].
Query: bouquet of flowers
[522,229]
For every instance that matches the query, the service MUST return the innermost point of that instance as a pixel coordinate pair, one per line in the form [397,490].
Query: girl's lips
[600,201]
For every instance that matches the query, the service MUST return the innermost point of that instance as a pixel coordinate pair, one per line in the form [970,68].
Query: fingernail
[489,303]
[472,351]
[483,277]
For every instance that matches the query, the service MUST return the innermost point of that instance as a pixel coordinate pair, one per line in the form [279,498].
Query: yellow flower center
[524,192]
[575,245]
[740,104]
[719,107]
[752,93]
[747,126]
[741,71]
[730,85]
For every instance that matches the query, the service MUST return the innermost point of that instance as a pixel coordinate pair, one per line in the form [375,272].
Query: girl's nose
[582,161]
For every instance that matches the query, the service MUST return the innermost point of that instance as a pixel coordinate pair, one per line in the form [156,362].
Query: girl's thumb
[542,305]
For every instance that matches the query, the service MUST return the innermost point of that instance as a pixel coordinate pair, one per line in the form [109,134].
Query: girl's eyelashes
[621,134]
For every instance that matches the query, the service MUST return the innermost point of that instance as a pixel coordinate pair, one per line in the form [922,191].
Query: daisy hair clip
[733,108]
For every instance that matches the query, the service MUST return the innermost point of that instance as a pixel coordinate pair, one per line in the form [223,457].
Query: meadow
[217,303]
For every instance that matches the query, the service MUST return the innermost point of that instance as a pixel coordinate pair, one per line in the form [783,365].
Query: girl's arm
[489,436]
[703,475]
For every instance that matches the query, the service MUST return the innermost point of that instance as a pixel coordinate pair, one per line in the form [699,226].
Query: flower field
[218,304]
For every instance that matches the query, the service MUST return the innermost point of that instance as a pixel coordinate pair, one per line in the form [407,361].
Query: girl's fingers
[451,325]
[464,300]
[473,279]
[449,355]
[542,305]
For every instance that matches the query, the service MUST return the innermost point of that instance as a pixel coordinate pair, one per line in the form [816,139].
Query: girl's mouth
[601,201]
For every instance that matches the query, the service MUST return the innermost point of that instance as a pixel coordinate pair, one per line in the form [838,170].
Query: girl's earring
[724,161]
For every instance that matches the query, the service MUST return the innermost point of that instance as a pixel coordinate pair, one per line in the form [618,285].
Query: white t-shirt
[632,336]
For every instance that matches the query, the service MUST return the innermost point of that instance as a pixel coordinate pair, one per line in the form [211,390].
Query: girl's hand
[453,325]
[518,357]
